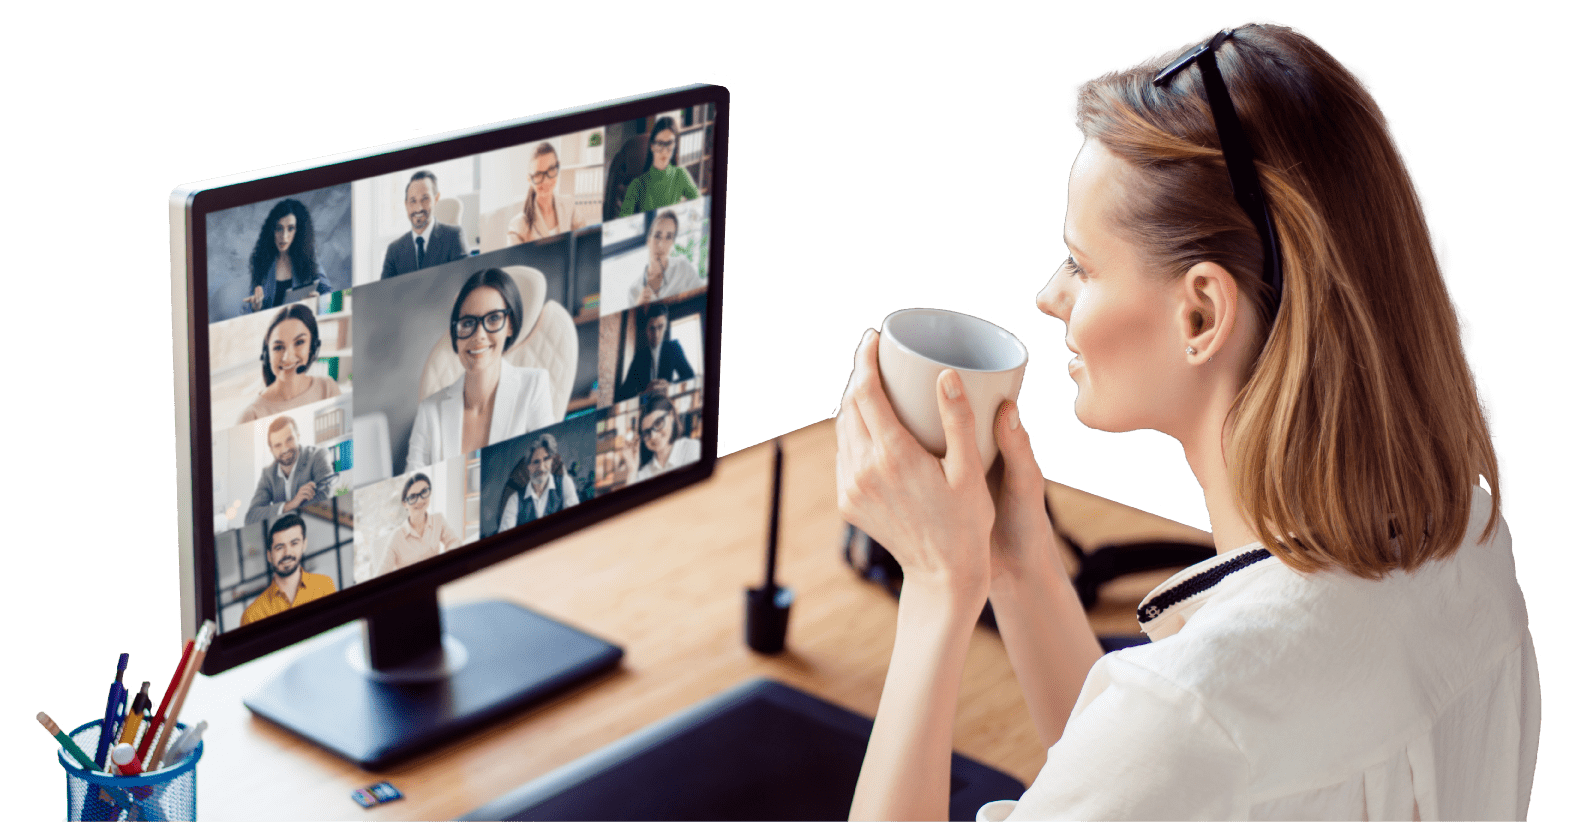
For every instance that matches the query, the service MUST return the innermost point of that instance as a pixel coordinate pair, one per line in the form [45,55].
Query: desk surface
[666,582]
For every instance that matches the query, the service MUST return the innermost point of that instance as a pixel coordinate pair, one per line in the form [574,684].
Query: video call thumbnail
[265,255]
[528,335]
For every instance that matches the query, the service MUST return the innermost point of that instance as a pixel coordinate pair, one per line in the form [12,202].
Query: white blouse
[678,278]
[1270,694]
[522,404]
[684,451]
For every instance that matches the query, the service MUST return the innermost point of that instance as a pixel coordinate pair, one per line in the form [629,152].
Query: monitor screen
[404,365]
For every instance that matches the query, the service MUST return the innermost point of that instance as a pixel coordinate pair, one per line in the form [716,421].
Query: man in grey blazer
[300,474]
[430,243]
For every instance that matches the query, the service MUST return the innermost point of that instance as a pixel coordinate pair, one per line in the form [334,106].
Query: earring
[1192,352]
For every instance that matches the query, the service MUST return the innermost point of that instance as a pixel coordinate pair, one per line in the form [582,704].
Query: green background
[880,160]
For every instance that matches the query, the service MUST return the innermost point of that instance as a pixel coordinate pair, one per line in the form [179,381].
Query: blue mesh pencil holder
[167,793]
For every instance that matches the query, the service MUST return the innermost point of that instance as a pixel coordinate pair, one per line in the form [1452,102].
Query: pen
[66,742]
[775,519]
[184,744]
[113,708]
[206,632]
[165,701]
[140,705]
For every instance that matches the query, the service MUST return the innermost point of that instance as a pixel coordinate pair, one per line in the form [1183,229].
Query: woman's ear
[1210,310]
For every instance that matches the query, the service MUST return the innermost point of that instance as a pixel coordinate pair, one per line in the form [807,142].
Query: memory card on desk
[376,794]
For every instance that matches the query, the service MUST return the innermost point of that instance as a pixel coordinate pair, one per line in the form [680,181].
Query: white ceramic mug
[917,344]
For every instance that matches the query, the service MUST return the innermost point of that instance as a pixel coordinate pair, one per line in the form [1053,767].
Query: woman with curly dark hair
[283,257]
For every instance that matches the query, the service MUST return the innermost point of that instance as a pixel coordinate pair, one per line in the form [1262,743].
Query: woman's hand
[257,298]
[934,515]
[1022,526]
[627,455]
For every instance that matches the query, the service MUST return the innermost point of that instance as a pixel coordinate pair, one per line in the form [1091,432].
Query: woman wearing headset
[291,344]
[1251,274]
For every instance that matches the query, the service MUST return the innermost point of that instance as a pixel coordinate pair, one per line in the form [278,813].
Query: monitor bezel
[190,204]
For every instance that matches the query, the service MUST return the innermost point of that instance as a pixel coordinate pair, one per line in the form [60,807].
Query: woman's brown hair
[531,201]
[1358,438]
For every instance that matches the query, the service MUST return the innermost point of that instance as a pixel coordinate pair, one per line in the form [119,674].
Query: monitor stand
[407,686]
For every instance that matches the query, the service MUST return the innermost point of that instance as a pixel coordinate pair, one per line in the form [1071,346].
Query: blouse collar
[1166,609]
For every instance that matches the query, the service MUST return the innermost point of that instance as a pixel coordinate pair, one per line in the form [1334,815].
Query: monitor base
[498,657]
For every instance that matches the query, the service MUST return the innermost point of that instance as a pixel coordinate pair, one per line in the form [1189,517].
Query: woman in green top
[662,184]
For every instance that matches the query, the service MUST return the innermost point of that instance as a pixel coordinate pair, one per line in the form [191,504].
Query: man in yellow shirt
[290,585]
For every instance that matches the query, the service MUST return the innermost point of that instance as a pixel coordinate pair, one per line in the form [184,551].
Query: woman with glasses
[493,400]
[661,446]
[661,184]
[422,534]
[1249,272]
[546,212]
[283,258]
[665,274]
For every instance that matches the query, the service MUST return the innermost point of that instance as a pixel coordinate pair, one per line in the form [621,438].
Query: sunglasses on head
[1236,151]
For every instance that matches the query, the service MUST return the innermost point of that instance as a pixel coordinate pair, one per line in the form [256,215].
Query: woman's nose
[1054,299]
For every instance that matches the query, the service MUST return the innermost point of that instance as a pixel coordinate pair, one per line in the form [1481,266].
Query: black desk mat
[759,751]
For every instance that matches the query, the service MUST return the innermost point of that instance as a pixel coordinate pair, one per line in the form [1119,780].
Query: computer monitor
[397,367]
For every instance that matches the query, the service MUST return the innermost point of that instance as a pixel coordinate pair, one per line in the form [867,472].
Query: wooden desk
[666,582]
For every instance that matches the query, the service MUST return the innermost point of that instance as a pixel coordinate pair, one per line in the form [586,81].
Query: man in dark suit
[299,475]
[430,243]
[660,359]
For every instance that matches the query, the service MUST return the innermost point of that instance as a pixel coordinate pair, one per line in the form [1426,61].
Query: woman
[422,534]
[660,442]
[664,275]
[546,212]
[493,400]
[662,184]
[291,344]
[538,486]
[283,258]
[1359,644]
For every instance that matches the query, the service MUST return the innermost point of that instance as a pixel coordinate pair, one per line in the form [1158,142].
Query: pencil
[206,632]
[66,742]
[165,702]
